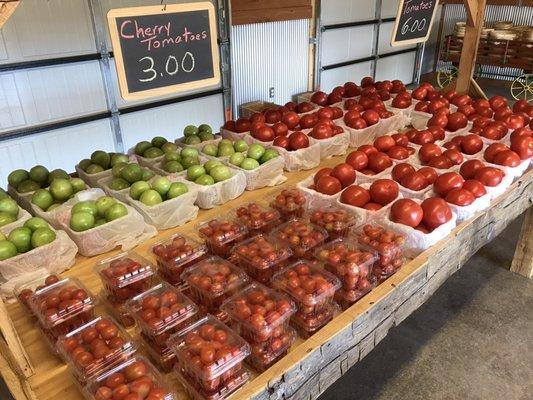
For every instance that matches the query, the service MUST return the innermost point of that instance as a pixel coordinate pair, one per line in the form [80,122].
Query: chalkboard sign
[164,49]
[413,21]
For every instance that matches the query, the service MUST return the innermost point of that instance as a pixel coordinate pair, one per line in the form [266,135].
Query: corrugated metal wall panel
[339,11]
[400,67]
[269,55]
[346,44]
[169,121]
[338,76]
[28,35]
[40,95]
[61,148]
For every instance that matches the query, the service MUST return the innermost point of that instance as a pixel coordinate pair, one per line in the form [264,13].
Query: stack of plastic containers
[352,264]
[210,359]
[61,308]
[312,289]
[261,257]
[24,291]
[221,235]
[161,312]
[261,316]
[301,236]
[336,221]
[175,255]
[290,203]
[124,276]
[256,218]
[213,280]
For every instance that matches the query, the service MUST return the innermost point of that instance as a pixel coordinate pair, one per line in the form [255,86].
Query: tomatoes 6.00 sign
[164,49]
[413,22]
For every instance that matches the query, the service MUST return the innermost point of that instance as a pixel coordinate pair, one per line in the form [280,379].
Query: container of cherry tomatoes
[225,391]
[221,235]
[136,378]
[176,254]
[352,264]
[301,236]
[62,306]
[210,356]
[261,316]
[312,288]
[256,218]
[117,309]
[290,203]
[213,280]
[95,347]
[388,245]
[261,257]
[162,311]
[162,355]
[336,221]
[125,275]
[25,290]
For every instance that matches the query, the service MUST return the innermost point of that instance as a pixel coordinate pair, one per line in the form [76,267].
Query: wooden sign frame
[7,8]
[113,14]
[397,22]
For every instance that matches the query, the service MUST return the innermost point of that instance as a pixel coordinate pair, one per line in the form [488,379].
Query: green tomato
[119,158]
[119,184]
[169,147]
[42,237]
[268,155]
[147,174]
[57,174]
[194,172]
[84,164]
[35,223]
[138,188]
[6,218]
[132,173]
[236,158]
[116,211]
[205,180]
[249,164]
[205,136]
[27,186]
[81,221]
[153,152]
[225,150]
[172,156]
[141,147]
[100,222]
[151,198]
[209,165]
[21,238]
[61,189]
[53,206]
[205,128]
[3,194]
[210,150]
[177,189]
[255,151]
[161,185]
[190,130]
[225,141]
[194,139]
[240,145]
[94,169]
[117,169]
[16,177]
[77,184]
[103,204]
[159,141]
[39,174]
[88,206]
[190,152]
[189,161]
[42,198]
[7,250]
[9,206]
[101,158]
[173,167]
[220,173]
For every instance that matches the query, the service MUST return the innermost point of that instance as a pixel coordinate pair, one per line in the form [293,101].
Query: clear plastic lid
[334,220]
[208,348]
[259,308]
[214,277]
[306,284]
[95,347]
[262,252]
[163,356]
[160,308]
[124,269]
[288,201]
[223,392]
[222,230]
[300,235]
[348,257]
[255,216]
[383,241]
[135,375]
[61,301]
[315,322]
[23,291]
[178,250]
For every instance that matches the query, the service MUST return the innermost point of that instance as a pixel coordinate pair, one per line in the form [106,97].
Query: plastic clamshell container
[23,291]
[61,302]
[261,257]
[306,326]
[256,217]
[161,308]
[213,280]
[259,311]
[97,388]
[194,345]
[301,236]
[117,309]
[263,355]
[162,356]
[290,203]
[95,347]
[310,286]
[230,386]
[125,275]
[336,221]
[221,235]
[175,255]
[388,245]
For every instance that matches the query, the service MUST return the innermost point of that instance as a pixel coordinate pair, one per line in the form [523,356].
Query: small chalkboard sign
[413,21]
[164,49]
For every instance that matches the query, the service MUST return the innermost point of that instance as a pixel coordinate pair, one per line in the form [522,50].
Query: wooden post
[523,256]
[7,7]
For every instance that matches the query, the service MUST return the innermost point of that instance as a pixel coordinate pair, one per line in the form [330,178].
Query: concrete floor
[473,339]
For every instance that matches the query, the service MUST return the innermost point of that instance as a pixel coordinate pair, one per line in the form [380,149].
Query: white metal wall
[269,55]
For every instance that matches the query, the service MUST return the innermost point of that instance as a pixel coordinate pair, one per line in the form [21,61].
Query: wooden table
[31,372]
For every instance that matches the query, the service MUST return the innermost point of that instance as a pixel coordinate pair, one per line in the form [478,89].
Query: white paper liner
[359,137]
[397,121]
[7,288]
[234,136]
[301,159]
[333,146]
[22,217]
[419,119]
[126,232]
[500,189]
[313,198]
[405,111]
[465,212]
[55,257]
[267,174]
[515,172]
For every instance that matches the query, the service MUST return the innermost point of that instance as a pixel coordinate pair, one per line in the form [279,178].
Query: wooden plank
[471,12]
[7,8]
[237,5]
[20,389]
[242,17]
[523,256]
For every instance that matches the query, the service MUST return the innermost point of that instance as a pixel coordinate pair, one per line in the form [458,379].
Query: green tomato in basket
[240,145]
[138,188]
[205,180]
[7,250]
[209,165]
[84,164]
[53,206]
[210,149]
[225,141]
[94,169]
[3,194]
[100,222]
[101,158]
[117,169]
[39,174]
[255,151]
[27,186]
[147,174]
[189,161]
[161,185]
[81,221]
[116,211]
[268,155]
[132,173]
[103,204]
[57,174]
[151,198]
[205,128]
[159,141]
[42,237]
[177,189]
[6,218]
[237,158]
[42,198]
[169,147]
[205,136]
[195,171]
[35,223]
[16,177]
[249,164]
[141,147]
[88,206]
[190,152]
[220,173]
[21,238]
[77,184]
[173,167]
[119,184]
[172,156]
[190,130]
[119,158]
[9,206]
[225,150]
[61,189]
[194,139]
[153,152]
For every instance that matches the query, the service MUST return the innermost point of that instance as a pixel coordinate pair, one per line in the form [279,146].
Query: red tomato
[502,113]
[492,150]
[367,149]
[406,212]
[298,140]
[525,131]
[351,89]
[345,173]
[272,116]
[456,121]
[489,176]
[355,196]
[383,191]
[265,134]
[470,167]
[450,94]
[307,121]
[379,162]
[319,98]
[242,125]
[515,121]
[446,182]
[367,81]
[321,131]
[421,106]
[475,187]
[440,162]
[400,170]
[322,172]
[399,153]
[414,180]
[521,105]
[428,151]
[497,102]
[281,141]
[357,159]
[438,120]
[291,119]
[454,156]
[507,158]
[437,132]
[371,117]
[401,101]
[400,139]
[436,212]
[358,123]
[328,185]
[523,146]
[384,143]
[257,118]
[460,197]
[471,144]
[429,173]
[423,137]
[334,98]
[280,129]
